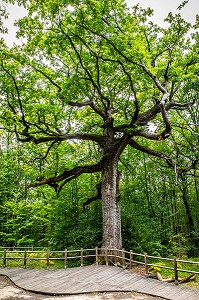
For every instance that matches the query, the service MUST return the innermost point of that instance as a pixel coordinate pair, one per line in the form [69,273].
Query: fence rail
[97,255]
[12,248]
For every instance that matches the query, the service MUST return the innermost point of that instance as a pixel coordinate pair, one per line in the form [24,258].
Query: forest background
[159,201]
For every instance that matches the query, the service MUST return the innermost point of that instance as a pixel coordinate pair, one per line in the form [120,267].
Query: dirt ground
[8,291]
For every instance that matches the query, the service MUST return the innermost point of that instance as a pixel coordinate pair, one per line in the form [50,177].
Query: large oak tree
[97,72]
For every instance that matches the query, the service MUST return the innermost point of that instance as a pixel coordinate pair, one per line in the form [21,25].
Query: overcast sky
[160,12]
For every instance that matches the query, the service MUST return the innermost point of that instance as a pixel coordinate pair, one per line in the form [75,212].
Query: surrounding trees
[95,89]
[3,16]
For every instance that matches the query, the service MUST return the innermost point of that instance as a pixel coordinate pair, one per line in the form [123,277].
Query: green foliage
[92,51]
[178,245]
[3,15]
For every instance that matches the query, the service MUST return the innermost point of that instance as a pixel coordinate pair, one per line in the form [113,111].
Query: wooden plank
[95,279]
[171,292]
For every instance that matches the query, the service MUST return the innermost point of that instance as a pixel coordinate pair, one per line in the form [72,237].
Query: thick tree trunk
[111,206]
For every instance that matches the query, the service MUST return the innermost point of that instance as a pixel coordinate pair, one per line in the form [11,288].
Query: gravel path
[8,291]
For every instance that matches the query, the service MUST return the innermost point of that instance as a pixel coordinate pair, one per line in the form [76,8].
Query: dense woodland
[159,210]
[99,108]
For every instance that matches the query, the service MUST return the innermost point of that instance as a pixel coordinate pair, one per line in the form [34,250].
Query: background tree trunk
[186,203]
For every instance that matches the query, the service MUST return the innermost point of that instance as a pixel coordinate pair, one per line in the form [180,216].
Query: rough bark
[111,206]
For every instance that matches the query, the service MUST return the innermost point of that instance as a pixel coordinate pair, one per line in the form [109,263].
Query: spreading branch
[96,85]
[161,155]
[79,104]
[18,93]
[59,138]
[47,77]
[180,106]
[166,120]
[154,77]
[68,175]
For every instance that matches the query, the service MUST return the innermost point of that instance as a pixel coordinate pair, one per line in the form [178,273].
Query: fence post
[82,258]
[106,256]
[131,260]
[175,269]
[4,258]
[48,262]
[25,259]
[146,264]
[115,256]
[65,259]
[123,258]
[96,256]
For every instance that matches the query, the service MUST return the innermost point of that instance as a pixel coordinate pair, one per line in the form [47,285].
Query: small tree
[103,75]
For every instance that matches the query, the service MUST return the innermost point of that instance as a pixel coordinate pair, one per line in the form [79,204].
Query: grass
[167,273]
[38,260]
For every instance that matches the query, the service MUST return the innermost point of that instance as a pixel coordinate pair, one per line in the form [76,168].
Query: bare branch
[142,119]
[108,40]
[149,115]
[155,79]
[98,196]
[147,135]
[168,160]
[98,110]
[161,155]
[180,106]
[96,86]
[77,104]
[68,175]
[49,148]
[165,117]
[48,77]
[137,108]
[59,138]
[166,76]
[157,55]
[189,168]
[18,93]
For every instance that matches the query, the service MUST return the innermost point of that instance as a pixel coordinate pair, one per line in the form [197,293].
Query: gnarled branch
[98,196]
[78,104]
[168,160]
[154,77]
[60,138]
[67,175]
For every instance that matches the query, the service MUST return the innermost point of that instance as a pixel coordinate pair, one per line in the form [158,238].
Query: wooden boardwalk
[95,279]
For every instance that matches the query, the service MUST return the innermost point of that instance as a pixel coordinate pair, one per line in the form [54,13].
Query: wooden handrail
[114,255]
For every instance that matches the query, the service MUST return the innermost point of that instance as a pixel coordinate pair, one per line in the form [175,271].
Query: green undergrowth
[158,265]
[38,260]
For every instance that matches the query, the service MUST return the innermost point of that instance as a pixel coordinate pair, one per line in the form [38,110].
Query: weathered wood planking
[95,279]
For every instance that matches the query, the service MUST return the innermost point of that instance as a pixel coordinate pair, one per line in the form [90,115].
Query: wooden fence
[122,258]
[12,248]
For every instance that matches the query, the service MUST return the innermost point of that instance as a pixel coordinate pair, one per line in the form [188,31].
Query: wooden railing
[122,258]
[12,248]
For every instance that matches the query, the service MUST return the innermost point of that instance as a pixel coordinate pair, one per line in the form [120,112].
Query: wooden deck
[95,279]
